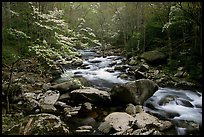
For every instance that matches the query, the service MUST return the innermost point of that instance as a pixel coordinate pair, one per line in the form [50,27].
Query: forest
[50,49]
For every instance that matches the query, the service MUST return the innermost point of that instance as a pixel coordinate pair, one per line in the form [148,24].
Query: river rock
[123,76]
[154,57]
[48,100]
[92,95]
[119,121]
[60,104]
[105,127]
[40,124]
[144,119]
[121,67]
[50,97]
[139,74]
[47,108]
[146,131]
[130,109]
[65,97]
[64,87]
[183,102]
[135,92]
[133,62]
[143,68]
[77,62]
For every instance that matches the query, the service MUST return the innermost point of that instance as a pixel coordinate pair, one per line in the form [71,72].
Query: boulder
[121,67]
[65,97]
[92,95]
[48,100]
[144,119]
[70,85]
[119,121]
[50,97]
[39,124]
[154,57]
[135,92]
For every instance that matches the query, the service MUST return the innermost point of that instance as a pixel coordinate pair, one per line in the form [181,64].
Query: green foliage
[52,31]
[45,35]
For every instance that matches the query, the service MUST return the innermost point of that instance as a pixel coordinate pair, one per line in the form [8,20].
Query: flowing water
[98,70]
[172,104]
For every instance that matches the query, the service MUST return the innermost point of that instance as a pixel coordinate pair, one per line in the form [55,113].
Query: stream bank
[83,117]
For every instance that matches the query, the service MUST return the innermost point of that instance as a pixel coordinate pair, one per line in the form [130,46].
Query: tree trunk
[169,45]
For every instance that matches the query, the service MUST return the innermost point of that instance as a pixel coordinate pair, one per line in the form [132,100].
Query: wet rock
[119,121]
[135,92]
[124,76]
[113,63]
[110,70]
[91,95]
[190,127]
[166,100]
[95,61]
[77,62]
[183,102]
[40,124]
[70,85]
[83,81]
[121,67]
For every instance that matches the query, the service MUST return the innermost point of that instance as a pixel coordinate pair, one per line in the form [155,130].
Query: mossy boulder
[154,57]
[39,124]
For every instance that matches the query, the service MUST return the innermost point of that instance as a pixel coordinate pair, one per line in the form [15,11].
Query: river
[169,103]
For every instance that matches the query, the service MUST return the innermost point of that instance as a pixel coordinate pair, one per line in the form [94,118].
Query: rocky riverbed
[76,104]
